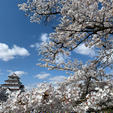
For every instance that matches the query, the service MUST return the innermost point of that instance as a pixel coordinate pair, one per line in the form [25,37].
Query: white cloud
[18,73]
[82,49]
[42,75]
[44,38]
[36,45]
[60,58]
[7,53]
[57,79]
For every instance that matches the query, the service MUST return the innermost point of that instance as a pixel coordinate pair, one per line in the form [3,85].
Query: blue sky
[18,38]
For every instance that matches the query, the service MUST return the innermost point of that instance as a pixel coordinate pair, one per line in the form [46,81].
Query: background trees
[88,22]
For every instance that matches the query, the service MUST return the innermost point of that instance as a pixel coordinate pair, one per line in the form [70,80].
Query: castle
[13,83]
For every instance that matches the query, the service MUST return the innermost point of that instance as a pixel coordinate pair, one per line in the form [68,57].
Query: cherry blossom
[89,88]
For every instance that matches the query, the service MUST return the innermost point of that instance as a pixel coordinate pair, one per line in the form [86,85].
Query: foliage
[65,98]
[90,88]
[3,95]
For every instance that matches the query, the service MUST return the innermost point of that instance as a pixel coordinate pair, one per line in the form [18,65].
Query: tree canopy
[89,22]
[90,87]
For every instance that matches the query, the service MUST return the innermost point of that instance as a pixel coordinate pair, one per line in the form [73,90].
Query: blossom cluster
[69,96]
[88,22]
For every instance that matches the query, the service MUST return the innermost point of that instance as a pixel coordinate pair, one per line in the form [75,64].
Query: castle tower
[13,83]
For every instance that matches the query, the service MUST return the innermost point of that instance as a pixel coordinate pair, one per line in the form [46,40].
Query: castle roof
[13,83]
[13,76]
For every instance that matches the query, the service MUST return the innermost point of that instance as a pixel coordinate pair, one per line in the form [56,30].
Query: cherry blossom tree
[66,98]
[88,22]
[89,87]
